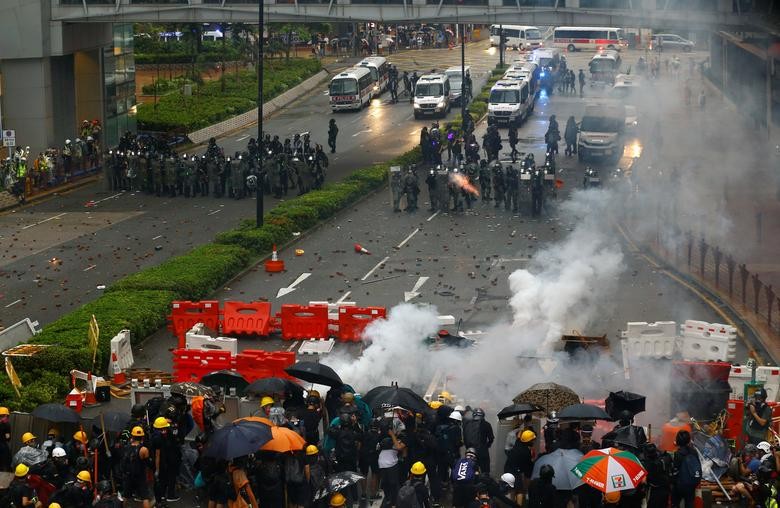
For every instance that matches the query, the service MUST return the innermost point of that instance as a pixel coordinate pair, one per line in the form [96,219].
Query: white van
[518,36]
[380,72]
[547,57]
[602,131]
[456,82]
[510,101]
[351,89]
[432,95]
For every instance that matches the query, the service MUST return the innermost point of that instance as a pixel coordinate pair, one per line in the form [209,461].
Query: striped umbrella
[610,470]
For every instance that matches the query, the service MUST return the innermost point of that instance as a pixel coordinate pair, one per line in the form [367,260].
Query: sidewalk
[8,201]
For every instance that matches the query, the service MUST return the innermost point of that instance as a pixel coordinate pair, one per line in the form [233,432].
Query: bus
[604,66]
[351,89]
[575,38]
[519,36]
[380,71]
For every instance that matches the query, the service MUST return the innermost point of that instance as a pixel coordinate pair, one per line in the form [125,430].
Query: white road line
[242,138]
[292,346]
[416,230]
[215,211]
[45,220]
[156,237]
[429,219]
[109,197]
[375,267]
[13,303]
[90,267]
[358,133]
[344,297]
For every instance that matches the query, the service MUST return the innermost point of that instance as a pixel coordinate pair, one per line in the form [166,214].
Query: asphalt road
[54,254]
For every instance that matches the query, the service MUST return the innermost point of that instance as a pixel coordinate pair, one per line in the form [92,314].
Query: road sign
[9,138]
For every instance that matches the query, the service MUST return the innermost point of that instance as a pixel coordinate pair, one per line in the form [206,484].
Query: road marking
[242,138]
[429,219]
[292,346]
[156,237]
[13,303]
[45,220]
[375,267]
[289,289]
[344,297]
[90,267]
[109,197]
[358,133]
[416,230]
[408,295]
[213,212]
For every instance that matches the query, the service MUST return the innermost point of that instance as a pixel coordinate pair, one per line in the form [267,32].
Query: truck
[602,131]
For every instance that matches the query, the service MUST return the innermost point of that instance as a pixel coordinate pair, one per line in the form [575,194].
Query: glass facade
[119,82]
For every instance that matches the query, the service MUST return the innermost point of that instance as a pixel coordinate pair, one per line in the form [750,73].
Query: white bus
[519,36]
[380,71]
[575,38]
[351,89]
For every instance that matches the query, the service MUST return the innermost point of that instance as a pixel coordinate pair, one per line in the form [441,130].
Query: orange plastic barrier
[193,364]
[353,320]
[256,364]
[246,318]
[185,314]
[304,321]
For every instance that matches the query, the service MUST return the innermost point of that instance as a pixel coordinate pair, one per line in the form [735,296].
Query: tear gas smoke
[462,182]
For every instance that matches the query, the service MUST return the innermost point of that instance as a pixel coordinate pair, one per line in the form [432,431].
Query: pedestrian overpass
[659,14]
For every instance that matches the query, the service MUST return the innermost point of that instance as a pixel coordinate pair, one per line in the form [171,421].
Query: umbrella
[518,409]
[114,421]
[284,440]
[56,413]
[610,470]
[583,412]
[550,396]
[261,419]
[237,440]
[273,385]
[190,389]
[562,461]
[624,401]
[225,379]
[315,373]
[381,398]
[337,482]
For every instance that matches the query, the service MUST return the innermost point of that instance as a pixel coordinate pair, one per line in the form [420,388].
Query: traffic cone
[274,264]
[90,399]
[360,249]
[119,375]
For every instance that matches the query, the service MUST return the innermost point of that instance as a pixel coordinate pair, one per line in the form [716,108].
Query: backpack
[688,472]
[197,412]
[407,496]
[443,443]
[472,433]
[293,471]
[464,471]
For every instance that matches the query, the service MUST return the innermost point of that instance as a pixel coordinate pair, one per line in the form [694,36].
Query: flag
[15,381]
[93,337]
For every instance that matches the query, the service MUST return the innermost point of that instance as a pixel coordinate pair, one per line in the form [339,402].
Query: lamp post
[463,97]
[259,188]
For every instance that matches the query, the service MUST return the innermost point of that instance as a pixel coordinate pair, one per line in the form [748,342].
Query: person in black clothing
[541,491]
[22,494]
[478,434]
[349,437]
[687,471]
[106,499]
[520,461]
[167,459]
[393,85]
[659,470]
[5,440]
[417,481]
[312,416]
[369,454]
[333,132]
[513,140]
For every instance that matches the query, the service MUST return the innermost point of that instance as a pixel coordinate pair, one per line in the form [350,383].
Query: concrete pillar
[88,85]
[27,102]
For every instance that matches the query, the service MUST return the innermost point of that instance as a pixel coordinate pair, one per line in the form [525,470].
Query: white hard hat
[58,452]
[509,479]
[764,446]
[456,416]
[460,408]
[67,141]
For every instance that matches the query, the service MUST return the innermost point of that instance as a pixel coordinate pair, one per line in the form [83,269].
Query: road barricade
[242,318]
[304,321]
[193,364]
[185,314]
[651,340]
[256,364]
[353,320]
[702,341]
[122,350]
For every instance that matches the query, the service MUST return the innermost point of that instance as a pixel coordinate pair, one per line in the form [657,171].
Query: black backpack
[407,496]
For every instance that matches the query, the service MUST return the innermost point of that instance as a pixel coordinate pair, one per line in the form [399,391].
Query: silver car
[672,41]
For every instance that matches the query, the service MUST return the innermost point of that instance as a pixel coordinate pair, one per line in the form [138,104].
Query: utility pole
[463,97]
[501,45]
[259,190]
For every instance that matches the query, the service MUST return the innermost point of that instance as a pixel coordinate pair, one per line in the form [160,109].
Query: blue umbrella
[238,439]
[562,461]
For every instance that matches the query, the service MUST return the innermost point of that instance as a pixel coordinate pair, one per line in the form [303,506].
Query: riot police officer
[411,189]
[537,192]
[236,178]
[442,189]
[499,185]
[484,180]
[472,173]
[169,175]
[455,190]
[512,189]
[157,174]
[430,181]
[396,187]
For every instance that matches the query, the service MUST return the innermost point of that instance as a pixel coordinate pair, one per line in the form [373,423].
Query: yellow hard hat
[312,450]
[337,499]
[612,497]
[137,431]
[4,411]
[266,401]
[81,437]
[53,432]
[314,393]
[527,436]
[418,469]
[28,436]
[55,505]
[161,423]
[435,404]
[21,470]
[445,396]
[84,476]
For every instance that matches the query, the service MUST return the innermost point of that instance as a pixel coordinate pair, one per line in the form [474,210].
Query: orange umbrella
[260,419]
[284,440]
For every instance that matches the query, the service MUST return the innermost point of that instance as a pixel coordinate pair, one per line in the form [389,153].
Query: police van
[432,95]
[380,72]
[516,36]
[456,82]
[510,101]
[528,72]
[604,66]
[351,89]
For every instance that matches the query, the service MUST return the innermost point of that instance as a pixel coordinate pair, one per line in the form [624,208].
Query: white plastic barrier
[740,374]
[318,347]
[651,340]
[121,347]
[19,332]
[702,341]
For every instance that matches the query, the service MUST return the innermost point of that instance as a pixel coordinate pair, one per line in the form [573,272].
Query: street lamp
[259,188]
[463,97]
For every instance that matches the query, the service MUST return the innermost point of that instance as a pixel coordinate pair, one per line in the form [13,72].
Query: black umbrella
[273,385]
[56,413]
[518,409]
[315,373]
[190,389]
[382,398]
[337,482]
[114,421]
[238,439]
[583,412]
[225,379]
[624,401]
